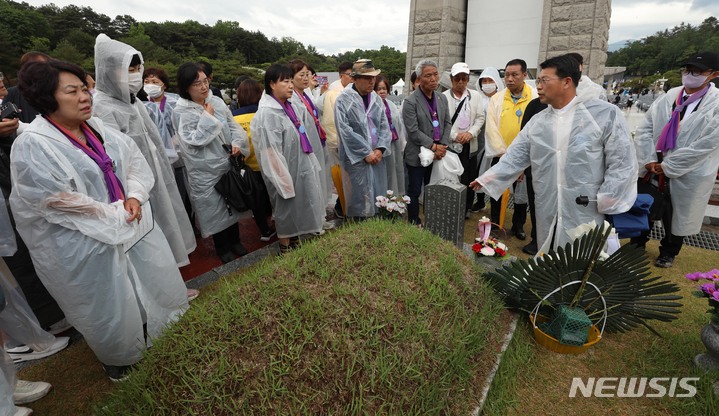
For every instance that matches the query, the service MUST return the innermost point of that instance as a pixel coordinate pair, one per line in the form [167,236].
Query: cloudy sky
[335,26]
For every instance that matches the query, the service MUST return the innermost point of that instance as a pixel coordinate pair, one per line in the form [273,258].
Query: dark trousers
[469,163]
[262,206]
[671,244]
[225,239]
[520,210]
[416,177]
[530,200]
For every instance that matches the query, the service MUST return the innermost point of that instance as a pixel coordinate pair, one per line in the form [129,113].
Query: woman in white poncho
[288,160]
[77,193]
[204,125]
[394,159]
[118,69]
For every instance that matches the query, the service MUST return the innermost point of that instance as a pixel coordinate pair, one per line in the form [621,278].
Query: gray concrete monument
[489,33]
[444,210]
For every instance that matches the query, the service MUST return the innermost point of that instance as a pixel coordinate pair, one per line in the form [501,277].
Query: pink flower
[712,274]
[715,295]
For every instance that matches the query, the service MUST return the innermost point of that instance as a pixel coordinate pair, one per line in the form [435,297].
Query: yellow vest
[509,121]
[244,121]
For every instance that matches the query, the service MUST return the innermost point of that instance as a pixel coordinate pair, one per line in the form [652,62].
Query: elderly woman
[118,68]
[159,105]
[204,125]
[394,160]
[78,194]
[288,159]
[302,75]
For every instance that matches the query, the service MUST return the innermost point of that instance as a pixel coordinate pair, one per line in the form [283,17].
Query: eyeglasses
[695,71]
[304,74]
[544,80]
[347,74]
[199,84]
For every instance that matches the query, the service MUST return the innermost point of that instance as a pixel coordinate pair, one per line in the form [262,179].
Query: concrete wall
[577,26]
[437,31]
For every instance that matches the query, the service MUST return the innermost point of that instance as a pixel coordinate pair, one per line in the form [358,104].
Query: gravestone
[444,209]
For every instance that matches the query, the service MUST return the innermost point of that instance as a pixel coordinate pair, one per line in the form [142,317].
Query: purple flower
[712,274]
[695,276]
[715,295]
[708,288]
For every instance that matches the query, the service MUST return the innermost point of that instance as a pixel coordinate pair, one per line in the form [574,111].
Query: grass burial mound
[375,318]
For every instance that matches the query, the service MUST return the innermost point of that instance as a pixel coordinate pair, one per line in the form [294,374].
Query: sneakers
[328,225]
[192,294]
[267,235]
[320,232]
[338,212]
[30,391]
[664,262]
[22,411]
[25,353]
[117,373]
[59,327]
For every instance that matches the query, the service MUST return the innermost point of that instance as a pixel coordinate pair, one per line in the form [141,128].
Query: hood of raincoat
[490,72]
[112,60]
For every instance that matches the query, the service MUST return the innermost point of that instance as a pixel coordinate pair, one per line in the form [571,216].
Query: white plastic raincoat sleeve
[237,133]
[697,154]
[267,134]
[644,144]
[617,194]
[355,144]
[510,166]
[140,179]
[198,131]
[44,183]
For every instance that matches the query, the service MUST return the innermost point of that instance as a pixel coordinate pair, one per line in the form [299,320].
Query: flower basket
[553,344]
[485,245]
[391,206]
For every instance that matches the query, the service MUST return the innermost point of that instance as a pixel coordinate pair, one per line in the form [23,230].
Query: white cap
[459,68]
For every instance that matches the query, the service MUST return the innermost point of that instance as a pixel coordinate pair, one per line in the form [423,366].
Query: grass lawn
[267,357]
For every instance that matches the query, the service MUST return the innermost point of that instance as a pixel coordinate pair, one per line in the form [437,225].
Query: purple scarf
[96,152]
[395,136]
[304,141]
[436,136]
[315,115]
[668,137]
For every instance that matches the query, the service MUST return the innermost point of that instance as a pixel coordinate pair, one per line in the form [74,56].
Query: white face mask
[693,81]
[489,88]
[134,82]
[152,90]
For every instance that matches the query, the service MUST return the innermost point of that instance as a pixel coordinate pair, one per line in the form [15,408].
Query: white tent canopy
[398,87]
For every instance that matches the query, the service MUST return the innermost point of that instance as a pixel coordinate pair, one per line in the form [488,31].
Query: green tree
[66,51]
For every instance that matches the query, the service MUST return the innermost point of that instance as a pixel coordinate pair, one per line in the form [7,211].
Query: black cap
[704,61]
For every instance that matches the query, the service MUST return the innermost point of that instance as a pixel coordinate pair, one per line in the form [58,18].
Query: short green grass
[376,318]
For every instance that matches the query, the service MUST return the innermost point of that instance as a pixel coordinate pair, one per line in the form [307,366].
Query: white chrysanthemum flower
[487,251]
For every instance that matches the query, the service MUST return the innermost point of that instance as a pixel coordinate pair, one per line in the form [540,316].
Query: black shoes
[519,233]
[226,257]
[117,373]
[238,249]
[531,248]
[478,205]
[664,261]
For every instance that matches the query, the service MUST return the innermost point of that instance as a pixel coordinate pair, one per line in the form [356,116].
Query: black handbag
[239,186]
[661,196]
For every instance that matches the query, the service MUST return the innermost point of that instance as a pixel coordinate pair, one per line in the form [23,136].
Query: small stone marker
[444,209]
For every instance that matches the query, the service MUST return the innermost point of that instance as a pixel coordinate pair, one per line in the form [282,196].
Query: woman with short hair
[393,159]
[78,194]
[205,127]
[288,159]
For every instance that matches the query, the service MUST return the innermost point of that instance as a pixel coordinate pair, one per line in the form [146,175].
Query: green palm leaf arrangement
[631,295]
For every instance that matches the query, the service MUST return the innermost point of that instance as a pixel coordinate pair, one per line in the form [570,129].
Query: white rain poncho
[394,159]
[361,182]
[588,89]
[692,166]
[163,121]
[7,384]
[62,211]
[17,320]
[291,175]
[112,104]
[581,149]
[320,151]
[201,137]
